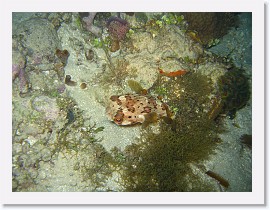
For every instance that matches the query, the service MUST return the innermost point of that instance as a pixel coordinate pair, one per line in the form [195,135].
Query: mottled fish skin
[130,109]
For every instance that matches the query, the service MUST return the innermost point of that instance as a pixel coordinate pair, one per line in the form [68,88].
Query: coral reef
[37,36]
[115,45]
[18,68]
[61,138]
[52,128]
[89,23]
[47,106]
[19,71]
[34,44]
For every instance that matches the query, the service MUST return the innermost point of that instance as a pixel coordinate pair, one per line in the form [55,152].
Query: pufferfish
[131,109]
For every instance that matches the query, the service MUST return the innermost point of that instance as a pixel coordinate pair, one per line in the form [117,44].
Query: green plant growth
[97,168]
[75,123]
[78,22]
[172,19]
[141,17]
[157,23]
[116,73]
[130,33]
[161,162]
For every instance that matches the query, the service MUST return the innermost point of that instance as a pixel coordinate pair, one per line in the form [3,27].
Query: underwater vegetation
[210,25]
[235,91]
[158,23]
[53,126]
[116,73]
[161,162]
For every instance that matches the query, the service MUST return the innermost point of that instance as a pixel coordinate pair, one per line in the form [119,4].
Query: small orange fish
[173,73]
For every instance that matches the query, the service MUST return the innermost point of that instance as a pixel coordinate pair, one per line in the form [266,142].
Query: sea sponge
[117,28]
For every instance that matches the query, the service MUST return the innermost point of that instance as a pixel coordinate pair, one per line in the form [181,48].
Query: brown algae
[161,162]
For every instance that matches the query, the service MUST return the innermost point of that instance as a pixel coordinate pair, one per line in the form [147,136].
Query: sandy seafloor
[34,166]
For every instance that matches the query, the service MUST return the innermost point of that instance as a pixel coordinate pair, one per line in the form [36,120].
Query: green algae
[141,17]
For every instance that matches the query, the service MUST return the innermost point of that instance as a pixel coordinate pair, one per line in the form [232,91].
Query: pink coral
[18,70]
[15,71]
[117,28]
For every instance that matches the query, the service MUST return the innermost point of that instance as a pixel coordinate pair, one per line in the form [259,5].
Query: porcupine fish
[131,109]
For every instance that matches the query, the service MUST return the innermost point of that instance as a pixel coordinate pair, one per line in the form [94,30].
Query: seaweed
[117,73]
[161,162]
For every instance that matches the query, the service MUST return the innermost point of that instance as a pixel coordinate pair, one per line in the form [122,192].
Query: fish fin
[135,86]
[151,117]
[167,120]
